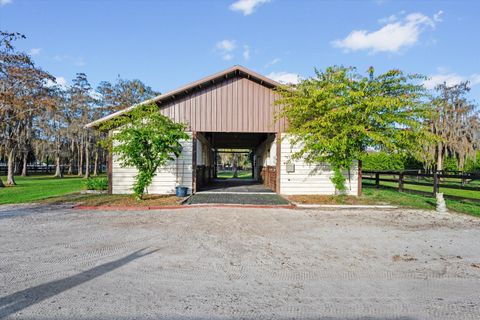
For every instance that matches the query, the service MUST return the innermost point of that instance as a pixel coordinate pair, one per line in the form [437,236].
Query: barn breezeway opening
[231,162]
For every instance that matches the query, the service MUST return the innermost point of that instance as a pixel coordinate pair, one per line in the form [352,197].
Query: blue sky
[170,43]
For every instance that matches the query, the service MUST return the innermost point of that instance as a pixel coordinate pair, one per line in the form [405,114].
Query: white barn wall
[308,178]
[166,179]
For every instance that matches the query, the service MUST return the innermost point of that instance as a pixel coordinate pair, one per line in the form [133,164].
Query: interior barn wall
[167,178]
[265,155]
[310,178]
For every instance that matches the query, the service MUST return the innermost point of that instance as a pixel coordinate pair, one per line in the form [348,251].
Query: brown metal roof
[235,71]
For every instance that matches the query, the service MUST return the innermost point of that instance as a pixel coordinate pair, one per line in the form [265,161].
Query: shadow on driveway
[22,299]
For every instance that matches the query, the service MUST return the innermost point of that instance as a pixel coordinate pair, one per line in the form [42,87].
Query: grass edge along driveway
[39,187]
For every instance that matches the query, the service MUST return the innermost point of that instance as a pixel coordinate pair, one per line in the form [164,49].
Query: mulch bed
[331,200]
[118,200]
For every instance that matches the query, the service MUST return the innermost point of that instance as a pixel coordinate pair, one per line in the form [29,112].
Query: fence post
[377,180]
[435,182]
[400,182]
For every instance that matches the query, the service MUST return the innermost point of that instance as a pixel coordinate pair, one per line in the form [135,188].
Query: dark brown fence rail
[50,169]
[455,185]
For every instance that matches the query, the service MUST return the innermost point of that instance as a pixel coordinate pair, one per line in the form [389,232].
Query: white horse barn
[230,110]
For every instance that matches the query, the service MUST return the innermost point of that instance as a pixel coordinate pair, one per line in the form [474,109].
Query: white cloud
[392,37]
[35,51]
[475,79]
[247,7]
[284,77]
[60,81]
[246,52]
[271,63]
[79,62]
[227,57]
[226,45]
[437,17]
[450,79]
[76,61]
[389,19]
[5,2]
[226,48]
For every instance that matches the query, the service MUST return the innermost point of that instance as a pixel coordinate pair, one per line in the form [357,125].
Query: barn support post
[109,172]
[278,163]
[194,162]
[359,173]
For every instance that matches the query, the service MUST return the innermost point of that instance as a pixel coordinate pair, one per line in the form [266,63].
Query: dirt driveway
[204,263]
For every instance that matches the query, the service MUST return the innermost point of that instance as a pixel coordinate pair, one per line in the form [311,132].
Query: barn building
[230,110]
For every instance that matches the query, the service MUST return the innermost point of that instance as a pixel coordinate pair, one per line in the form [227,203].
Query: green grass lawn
[33,188]
[416,201]
[452,192]
[247,174]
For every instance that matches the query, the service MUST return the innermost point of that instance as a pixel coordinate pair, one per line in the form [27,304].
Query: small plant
[97,183]
[338,180]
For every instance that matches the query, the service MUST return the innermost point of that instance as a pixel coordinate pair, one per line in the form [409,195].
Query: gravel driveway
[206,263]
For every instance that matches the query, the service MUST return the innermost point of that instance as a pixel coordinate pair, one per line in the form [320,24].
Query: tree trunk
[71,160]
[16,166]
[80,160]
[11,168]
[70,167]
[87,160]
[58,168]
[439,156]
[95,165]
[24,165]
[234,165]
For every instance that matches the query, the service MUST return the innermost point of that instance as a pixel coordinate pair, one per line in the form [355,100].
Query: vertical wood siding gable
[233,105]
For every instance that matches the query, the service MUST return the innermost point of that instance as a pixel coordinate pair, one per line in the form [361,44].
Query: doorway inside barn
[230,162]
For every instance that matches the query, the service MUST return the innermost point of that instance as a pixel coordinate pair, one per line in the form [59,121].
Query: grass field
[452,192]
[247,174]
[416,201]
[33,188]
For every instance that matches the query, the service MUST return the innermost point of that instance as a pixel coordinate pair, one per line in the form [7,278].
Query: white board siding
[310,178]
[165,180]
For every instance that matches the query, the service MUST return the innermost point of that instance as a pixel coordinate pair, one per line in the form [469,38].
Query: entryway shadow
[22,299]
[235,185]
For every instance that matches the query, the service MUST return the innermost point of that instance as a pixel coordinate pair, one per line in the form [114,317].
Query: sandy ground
[204,263]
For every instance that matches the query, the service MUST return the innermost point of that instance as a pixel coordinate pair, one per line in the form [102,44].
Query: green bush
[473,165]
[97,183]
[450,164]
[384,161]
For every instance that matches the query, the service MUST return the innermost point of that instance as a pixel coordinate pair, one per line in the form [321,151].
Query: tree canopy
[146,140]
[455,120]
[337,114]
[41,120]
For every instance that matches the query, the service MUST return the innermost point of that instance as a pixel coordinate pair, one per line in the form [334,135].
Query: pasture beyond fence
[454,185]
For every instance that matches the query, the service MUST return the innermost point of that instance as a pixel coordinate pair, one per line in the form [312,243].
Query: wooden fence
[47,169]
[450,183]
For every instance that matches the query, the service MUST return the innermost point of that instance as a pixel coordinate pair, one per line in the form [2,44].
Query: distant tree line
[42,121]
[455,121]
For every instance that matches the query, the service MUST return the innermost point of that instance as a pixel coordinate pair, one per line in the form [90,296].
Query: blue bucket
[181,191]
